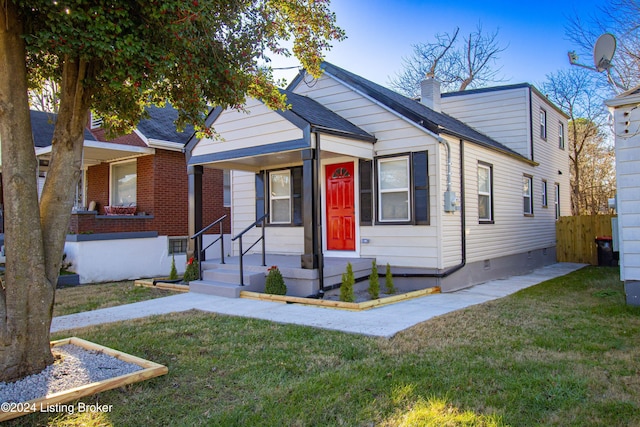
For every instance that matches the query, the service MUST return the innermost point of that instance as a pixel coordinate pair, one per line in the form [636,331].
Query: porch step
[225,281]
[233,276]
[222,289]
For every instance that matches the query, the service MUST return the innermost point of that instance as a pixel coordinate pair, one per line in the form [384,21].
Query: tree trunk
[26,297]
[65,165]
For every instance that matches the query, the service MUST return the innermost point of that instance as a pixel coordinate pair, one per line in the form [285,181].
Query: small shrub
[346,289]
[275,283]
[192,272]
[388,281]
[173,274]
[374,281]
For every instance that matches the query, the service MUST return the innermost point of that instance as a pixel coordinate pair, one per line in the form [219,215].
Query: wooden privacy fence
[576,237]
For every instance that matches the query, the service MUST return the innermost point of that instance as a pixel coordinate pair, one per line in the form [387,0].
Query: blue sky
[380,33]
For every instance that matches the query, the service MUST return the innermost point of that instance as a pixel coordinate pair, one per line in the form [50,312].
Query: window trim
[272,198]
[489,167]
[529,179]
[379,191]
[543,124]
[545,195]
[561,137]
[171,239]
[111,178]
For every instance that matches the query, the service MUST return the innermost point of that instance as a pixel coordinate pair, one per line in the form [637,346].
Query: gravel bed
[74,367]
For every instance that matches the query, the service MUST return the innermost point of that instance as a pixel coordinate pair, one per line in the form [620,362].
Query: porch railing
[262,221]
[200,251]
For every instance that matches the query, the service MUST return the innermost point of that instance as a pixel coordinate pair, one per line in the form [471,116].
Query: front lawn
[76,299]
[562,353]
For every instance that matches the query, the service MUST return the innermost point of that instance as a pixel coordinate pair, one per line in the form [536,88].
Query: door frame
[356,203]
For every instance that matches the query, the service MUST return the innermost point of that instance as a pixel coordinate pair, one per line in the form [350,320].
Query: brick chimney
[430,93]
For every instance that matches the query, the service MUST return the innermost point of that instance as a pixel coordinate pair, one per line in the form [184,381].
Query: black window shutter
[366,192]
[420,170]
[296,195]
[260,201]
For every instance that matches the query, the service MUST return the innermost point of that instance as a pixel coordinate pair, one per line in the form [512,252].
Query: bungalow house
[626,127]
[130,215]
[451,191]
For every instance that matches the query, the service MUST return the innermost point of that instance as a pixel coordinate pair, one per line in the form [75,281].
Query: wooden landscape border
[148,283]
[150,370]
[353,306]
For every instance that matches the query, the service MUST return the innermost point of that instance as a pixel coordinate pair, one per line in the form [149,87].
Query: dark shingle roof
[42,126]
[415,111]
[160,125]
[322,118]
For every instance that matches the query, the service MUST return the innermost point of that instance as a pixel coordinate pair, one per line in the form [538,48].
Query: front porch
[224,279]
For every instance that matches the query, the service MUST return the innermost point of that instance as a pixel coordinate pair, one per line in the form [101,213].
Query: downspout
[463,237]
[318,215]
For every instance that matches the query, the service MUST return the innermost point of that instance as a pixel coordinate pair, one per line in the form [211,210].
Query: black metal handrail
[260,220]
[200,251]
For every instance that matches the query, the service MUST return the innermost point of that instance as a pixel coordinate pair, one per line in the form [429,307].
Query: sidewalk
[383,321]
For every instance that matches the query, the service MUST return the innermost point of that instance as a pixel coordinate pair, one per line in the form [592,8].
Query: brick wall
[98,186]
[213,199]
[162,191]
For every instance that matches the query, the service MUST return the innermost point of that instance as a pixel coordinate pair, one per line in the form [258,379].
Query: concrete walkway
[383,321]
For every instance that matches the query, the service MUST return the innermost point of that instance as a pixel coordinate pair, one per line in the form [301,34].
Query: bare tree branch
[457,64]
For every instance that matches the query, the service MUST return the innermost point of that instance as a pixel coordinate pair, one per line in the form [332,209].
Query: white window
[526,195]
[393,189]
[544,194]
[280,200]
[226,188]
[561,135]
[485,193]
[543,124]
[123,183]
[557,200]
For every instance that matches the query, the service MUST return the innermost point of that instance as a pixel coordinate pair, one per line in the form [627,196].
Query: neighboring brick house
[131,213]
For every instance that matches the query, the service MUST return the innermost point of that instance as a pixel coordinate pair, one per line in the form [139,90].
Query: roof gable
[413,110]
[322,119]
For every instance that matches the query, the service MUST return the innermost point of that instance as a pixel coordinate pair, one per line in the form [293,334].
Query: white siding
[399,245]
[279,240]
[628,189]
[501,114]
[237,129]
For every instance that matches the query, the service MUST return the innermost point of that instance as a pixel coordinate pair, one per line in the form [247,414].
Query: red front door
[341,211]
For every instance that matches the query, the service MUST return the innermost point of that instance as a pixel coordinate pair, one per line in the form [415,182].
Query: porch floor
[224,279]
[288,261]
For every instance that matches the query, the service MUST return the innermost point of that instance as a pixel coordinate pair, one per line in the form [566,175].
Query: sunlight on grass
[565,352]
[81,419]
[436,412]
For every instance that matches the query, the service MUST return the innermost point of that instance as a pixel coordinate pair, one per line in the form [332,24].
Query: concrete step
[233,277]
[222,289]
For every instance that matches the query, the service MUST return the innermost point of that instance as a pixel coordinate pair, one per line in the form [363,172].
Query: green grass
[76,299]
[562,353]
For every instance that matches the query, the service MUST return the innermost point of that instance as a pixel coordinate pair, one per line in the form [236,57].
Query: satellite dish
[603,51]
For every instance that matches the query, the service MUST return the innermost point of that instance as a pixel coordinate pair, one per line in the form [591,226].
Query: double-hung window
[485,193]
[123,183]
[280,197]
[543,124]
[527,196]
[561,135]
[393,191]
[545,201]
